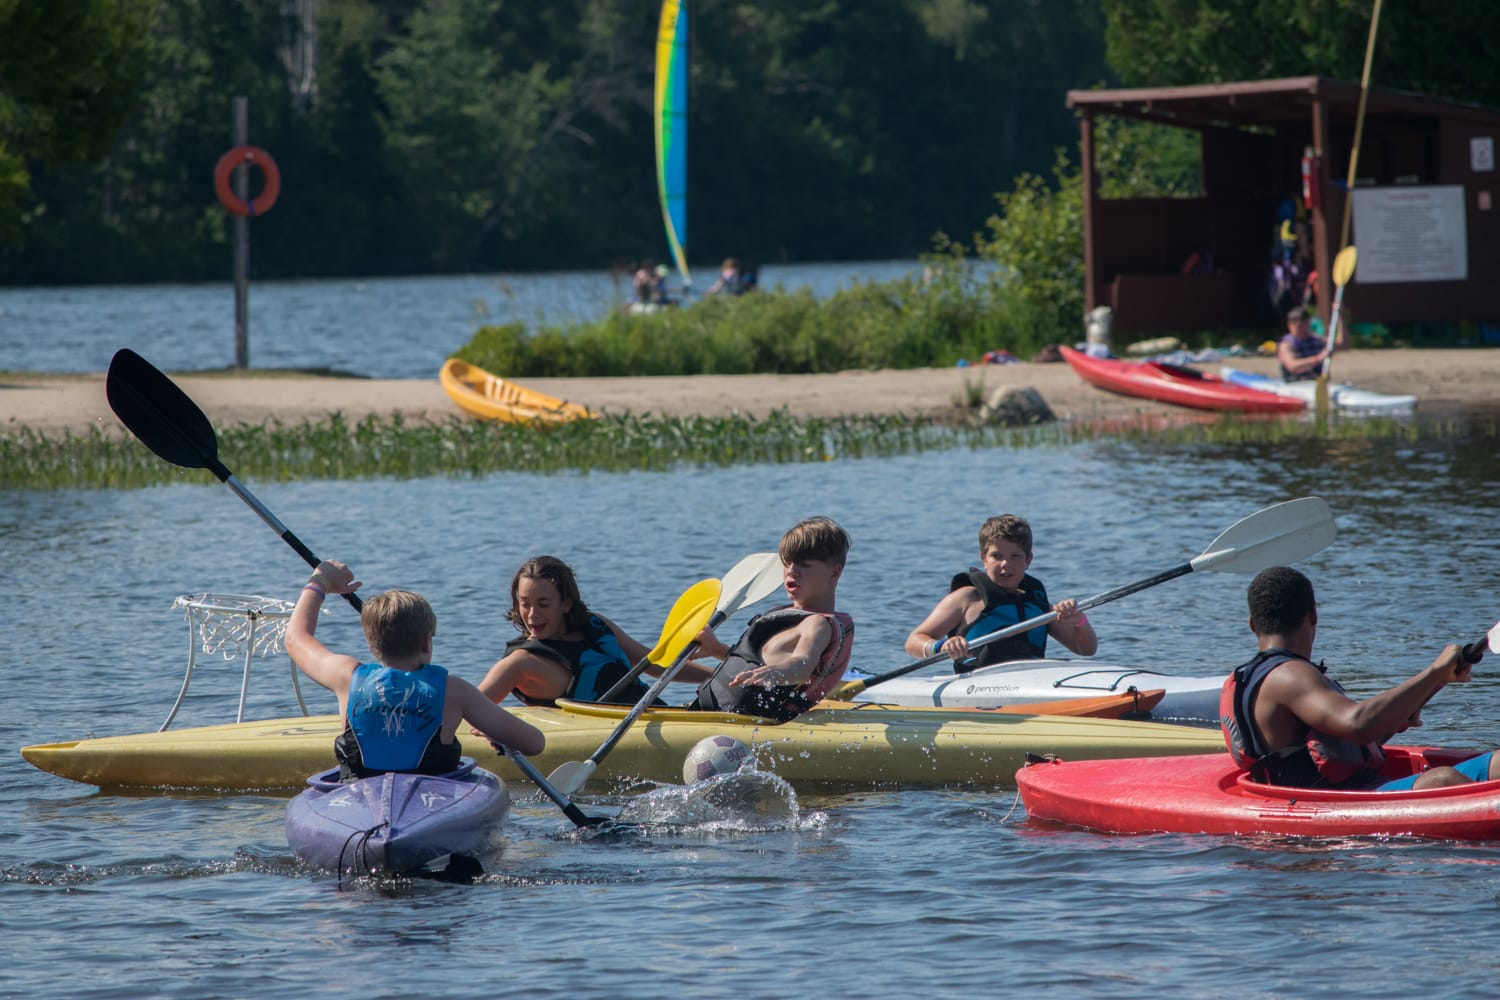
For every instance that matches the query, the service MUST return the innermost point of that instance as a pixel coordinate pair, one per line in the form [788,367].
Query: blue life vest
[1003,609]
[1320,760]
[783,702]
[394,722]
[596,662]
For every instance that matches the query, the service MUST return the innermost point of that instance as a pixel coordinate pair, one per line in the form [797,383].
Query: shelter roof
[1274,104]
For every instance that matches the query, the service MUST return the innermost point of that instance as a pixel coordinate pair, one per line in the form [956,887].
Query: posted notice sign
[1410,234]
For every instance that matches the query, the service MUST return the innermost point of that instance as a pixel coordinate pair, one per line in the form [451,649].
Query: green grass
[378,447]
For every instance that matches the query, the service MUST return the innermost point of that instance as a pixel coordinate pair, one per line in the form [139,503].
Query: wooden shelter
[1425,221]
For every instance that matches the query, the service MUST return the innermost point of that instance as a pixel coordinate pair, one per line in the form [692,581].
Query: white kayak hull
[1192,699]
[1341,396]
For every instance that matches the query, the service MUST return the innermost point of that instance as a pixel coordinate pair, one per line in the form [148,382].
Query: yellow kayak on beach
[491,397]
[868,745]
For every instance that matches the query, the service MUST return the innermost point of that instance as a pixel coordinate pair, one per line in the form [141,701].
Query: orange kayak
[1130,704]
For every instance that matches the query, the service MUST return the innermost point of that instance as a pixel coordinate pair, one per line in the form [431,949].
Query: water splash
[746,801]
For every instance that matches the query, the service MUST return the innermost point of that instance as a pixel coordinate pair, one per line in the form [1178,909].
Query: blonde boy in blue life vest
[401,712]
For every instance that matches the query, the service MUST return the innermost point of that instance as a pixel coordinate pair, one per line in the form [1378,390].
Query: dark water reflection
[874,893]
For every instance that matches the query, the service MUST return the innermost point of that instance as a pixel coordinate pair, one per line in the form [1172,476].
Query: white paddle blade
[1278,535]
[753,579]
[572,775]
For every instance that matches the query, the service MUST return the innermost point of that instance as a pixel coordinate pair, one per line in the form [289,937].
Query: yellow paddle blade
[686,619]
[1343,266]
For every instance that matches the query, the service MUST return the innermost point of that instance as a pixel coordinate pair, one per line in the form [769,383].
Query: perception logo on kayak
[990,688]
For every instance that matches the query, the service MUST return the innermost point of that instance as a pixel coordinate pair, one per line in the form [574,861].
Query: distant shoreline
[1445,382]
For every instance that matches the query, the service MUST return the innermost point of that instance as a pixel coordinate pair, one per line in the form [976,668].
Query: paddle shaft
[228,479]
[577,815]
[1005,633]
[650,696]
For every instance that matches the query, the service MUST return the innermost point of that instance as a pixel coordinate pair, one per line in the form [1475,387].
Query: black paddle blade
[159,413]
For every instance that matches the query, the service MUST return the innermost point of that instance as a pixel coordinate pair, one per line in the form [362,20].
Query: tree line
[419,136]
[452,135]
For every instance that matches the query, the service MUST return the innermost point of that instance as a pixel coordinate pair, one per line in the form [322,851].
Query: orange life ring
[251,156]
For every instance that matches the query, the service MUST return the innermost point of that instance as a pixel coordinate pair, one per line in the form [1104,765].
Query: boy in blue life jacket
[999,594]
[787,659]
[401,712]
[1290,724]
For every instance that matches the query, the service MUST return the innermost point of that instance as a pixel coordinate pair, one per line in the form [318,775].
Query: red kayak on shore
[1208,793]
[1167,383]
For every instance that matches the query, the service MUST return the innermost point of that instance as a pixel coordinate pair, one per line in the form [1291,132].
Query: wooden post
[1090,222]
[241,128]
[1318,230]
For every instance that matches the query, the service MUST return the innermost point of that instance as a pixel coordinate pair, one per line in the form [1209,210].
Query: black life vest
[1001,610]
[596,662]
[783,702]
[1320,760]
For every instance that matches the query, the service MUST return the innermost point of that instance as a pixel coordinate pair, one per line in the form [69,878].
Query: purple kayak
[396,823]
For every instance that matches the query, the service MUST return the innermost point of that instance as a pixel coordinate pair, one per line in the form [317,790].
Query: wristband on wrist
[315,589]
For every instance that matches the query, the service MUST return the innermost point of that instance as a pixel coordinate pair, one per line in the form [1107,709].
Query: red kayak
[1207,793]
[1166,383]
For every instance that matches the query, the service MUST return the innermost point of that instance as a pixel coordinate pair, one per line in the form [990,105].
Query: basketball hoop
[236,627]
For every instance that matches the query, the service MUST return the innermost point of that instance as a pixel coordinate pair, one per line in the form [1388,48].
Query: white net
[236,626]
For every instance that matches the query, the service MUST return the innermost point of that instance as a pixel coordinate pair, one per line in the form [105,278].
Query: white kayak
[1342,396]
[1193,699]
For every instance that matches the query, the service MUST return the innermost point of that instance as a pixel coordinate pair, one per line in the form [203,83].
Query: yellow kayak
[493,398]
[868,745]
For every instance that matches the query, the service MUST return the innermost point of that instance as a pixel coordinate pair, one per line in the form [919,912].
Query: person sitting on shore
[735,278]
[1287,723]
[401,712]
[564,649]
[1302,352]
[998,595]
[787,659]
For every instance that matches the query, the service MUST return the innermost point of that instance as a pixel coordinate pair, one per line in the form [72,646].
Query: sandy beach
[1445,382]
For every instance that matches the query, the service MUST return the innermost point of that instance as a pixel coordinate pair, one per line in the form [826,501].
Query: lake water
[874,894]
[380,327]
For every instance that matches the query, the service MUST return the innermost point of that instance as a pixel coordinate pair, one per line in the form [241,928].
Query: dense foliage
[445,135]
[1441,49]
